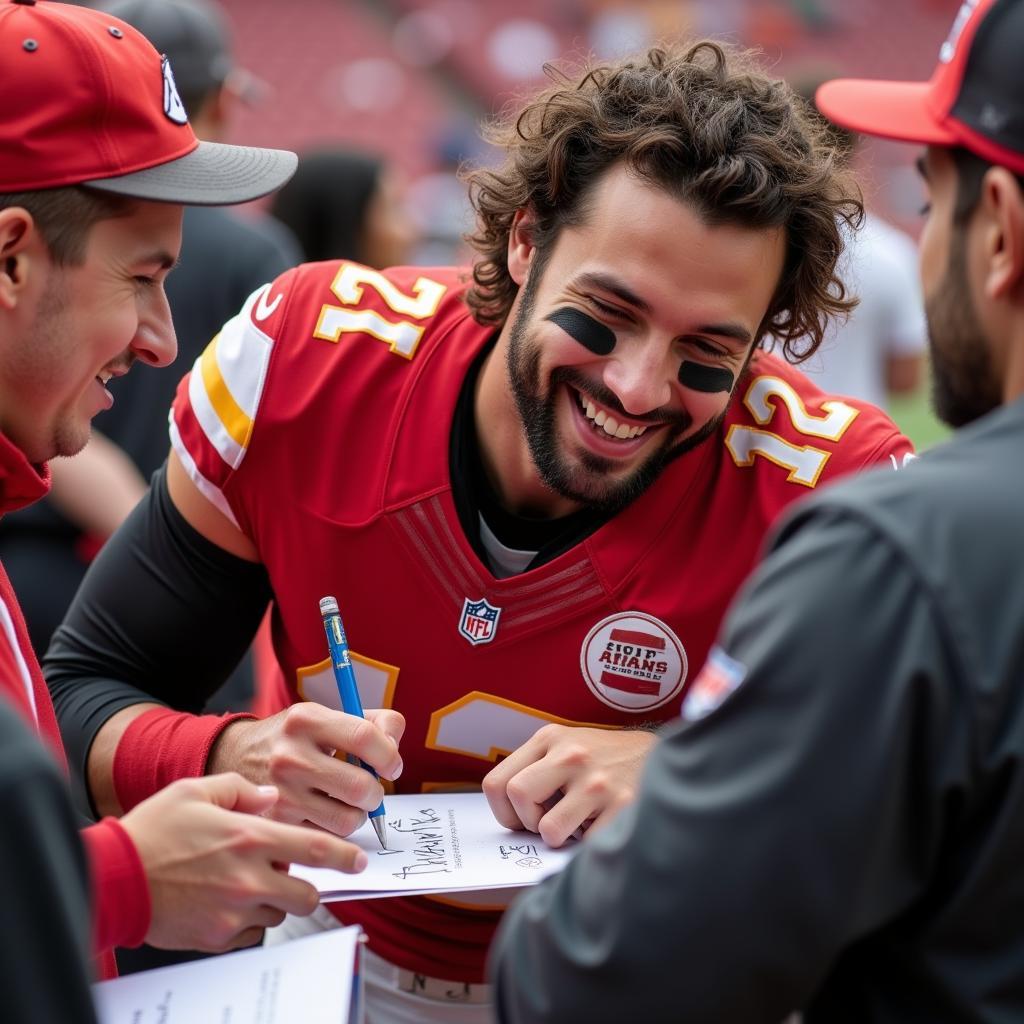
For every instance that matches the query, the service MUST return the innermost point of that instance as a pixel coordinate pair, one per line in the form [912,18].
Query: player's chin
[70,436]
[604,483]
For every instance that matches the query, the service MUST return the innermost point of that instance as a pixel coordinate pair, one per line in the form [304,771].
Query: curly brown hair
[703,123]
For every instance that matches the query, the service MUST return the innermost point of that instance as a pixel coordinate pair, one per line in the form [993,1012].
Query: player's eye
[603,307]
[707,348]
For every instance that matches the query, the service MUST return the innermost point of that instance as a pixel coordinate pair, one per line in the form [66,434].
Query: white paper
[439,842]
[308,980]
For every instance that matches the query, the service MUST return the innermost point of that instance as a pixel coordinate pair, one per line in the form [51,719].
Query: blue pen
[347,689]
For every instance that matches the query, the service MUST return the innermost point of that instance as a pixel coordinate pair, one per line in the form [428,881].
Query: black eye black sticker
[706,378]
[600,339]
[590,333]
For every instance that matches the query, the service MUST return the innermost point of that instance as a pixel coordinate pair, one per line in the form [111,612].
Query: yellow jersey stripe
[234,418]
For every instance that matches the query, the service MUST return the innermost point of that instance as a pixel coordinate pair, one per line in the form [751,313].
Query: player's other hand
[565,778]
[294,750]
[217,871]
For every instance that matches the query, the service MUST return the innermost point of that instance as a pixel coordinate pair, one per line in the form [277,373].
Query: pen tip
[381,829]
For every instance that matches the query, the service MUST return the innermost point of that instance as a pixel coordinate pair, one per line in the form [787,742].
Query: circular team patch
[633,662]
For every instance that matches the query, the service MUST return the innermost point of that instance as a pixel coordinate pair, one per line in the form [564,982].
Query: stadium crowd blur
[410,79]
[406,82]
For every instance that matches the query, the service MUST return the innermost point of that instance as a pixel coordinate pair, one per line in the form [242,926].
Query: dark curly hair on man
[703,123]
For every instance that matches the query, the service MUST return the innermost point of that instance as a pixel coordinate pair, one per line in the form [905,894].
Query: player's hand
[217,872]
[294,751]
[565,778]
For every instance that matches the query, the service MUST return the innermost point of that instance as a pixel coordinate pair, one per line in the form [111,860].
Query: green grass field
[916,419]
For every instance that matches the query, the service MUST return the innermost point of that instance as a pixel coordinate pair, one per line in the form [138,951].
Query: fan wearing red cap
[970,116]
[835,828]
[973,98]
[88,101]
[96,161]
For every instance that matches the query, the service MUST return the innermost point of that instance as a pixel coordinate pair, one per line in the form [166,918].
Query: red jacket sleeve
[121,902]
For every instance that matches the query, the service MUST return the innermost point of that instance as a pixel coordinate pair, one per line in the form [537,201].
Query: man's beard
[587,481]
[964,382]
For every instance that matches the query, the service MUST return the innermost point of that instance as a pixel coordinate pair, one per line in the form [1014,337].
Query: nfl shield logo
[479,621]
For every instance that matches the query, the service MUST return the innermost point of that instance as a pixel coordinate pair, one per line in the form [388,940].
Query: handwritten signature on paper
[428,853]
[525,853]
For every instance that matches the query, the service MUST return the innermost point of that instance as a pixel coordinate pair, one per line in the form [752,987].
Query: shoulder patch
[908,458]
[264,307]
[720,677]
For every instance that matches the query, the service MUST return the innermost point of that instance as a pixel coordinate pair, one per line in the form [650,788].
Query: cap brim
[213,174]
[893,110]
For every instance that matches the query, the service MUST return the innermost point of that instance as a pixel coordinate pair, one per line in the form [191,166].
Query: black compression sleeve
[163,614]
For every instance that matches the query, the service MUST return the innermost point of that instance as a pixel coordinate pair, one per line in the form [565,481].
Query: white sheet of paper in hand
[439,842]
[308,979]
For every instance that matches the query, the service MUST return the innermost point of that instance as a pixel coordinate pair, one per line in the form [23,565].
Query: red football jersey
[319,421]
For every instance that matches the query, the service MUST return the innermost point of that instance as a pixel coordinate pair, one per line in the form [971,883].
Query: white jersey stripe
[243,358]
[209,491]
[227,383]
[231,415]
[210,423]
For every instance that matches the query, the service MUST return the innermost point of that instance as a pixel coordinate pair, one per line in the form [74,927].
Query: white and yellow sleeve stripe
[224,392]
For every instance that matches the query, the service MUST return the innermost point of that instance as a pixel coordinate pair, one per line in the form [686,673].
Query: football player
[533,486]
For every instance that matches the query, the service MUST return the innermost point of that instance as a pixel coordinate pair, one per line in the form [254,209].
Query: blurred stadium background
[411,79]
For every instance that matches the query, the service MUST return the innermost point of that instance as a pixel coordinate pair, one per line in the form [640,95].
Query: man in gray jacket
[836,826]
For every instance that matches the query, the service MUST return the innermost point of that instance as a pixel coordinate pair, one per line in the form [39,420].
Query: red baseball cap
[974,99]
[86,100]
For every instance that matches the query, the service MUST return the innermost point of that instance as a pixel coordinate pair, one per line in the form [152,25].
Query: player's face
[624,351]
[965,384]
[88,323]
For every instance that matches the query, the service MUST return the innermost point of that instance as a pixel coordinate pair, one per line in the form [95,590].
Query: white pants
[394,996]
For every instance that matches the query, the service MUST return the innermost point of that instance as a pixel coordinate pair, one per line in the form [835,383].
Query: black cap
[193,34]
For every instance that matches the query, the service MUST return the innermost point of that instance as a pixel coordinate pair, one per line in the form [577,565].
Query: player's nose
[641,376]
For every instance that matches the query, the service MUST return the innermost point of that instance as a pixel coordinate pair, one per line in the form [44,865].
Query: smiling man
[534,485]
[105,311]
[625,348]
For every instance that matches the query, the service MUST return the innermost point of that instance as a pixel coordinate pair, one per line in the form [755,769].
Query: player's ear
[520,245]
[17,234]
[1002,207]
